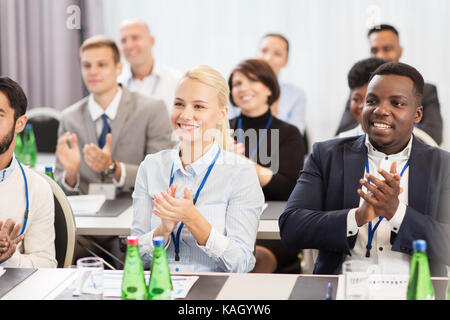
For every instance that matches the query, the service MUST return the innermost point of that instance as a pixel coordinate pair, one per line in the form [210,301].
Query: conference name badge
[107,189]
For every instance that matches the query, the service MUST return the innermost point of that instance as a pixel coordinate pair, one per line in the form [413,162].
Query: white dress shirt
[231,200]
[381,252]
[159,84]
[96,112]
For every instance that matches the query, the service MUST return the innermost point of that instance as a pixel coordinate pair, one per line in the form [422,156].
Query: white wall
[326,37]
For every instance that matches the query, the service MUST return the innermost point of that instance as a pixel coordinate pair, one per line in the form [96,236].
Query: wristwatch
[111,169]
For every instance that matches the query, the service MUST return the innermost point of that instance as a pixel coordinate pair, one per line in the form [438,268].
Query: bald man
[145,75]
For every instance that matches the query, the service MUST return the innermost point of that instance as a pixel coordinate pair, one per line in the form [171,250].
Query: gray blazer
[140,127]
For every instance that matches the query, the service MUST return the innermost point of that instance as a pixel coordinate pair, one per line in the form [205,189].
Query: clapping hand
[68,156]
[98,159]
[383,194]
[9,239]
[169,208]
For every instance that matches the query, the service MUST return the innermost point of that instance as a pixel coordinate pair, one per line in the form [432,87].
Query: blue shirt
[231,200]
[5,173]
[291,106]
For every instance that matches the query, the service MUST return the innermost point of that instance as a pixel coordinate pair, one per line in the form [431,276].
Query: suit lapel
[418,182]
[124,110]
[354,160]
[91,132]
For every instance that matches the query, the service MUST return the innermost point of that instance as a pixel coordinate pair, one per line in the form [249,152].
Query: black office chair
[65,229]
[45,122]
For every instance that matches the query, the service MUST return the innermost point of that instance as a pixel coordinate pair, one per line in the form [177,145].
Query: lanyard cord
[27,206]
[176,239]
[372,231]
[269,122]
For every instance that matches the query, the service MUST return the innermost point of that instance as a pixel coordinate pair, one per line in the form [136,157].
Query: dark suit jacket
[431,121]
[316,213]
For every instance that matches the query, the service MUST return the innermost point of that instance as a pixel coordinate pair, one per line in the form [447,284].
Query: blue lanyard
[260,138]
[176,239]
[372,231]
[27,206]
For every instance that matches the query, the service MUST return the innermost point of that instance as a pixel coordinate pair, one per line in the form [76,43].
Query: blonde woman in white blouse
[205,201]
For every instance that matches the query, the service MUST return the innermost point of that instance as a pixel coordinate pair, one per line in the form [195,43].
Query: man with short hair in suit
[384,43]
[105,136]
[405,194]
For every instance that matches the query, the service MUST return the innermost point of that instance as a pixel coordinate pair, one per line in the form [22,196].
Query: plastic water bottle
[160,285]
[448,290]
[49,172]
[18,149]
[133,281]
[420,286]
[29,149]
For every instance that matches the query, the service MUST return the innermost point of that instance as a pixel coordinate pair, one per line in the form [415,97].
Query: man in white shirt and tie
[145,75]
[369,197]
[105,136]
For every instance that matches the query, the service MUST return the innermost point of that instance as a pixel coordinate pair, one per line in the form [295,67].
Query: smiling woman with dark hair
[275,148]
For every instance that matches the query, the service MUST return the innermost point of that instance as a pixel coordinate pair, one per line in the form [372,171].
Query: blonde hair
[212,78]
[99,41]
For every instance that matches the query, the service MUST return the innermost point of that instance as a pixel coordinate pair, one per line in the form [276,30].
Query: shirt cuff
[123,174]
[216,245]
[352,226]
[66,186]
[398,217]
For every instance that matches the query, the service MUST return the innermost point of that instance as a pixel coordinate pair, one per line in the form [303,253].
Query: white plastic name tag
[108,189]
[181,268]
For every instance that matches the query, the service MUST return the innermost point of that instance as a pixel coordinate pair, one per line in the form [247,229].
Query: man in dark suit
[384,44]
[409,186]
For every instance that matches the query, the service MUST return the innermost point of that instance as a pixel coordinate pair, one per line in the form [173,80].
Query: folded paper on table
[381,287]
[112,285]
[86,204]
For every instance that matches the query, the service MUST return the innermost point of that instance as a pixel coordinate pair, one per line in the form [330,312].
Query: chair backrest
[65,229]
[424,137]
[45,123]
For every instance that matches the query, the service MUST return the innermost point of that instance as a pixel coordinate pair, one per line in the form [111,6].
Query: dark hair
[403,69]
[359,74]
[259,70]
[382,27]
[278,36]
[17,98]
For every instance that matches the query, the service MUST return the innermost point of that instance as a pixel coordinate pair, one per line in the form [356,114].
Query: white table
[121,225]
[51,282]
[48,284]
